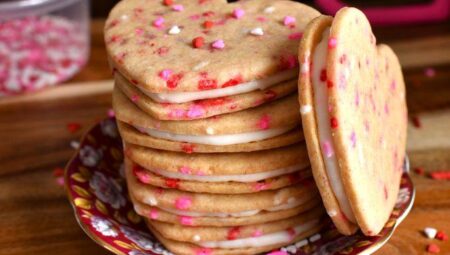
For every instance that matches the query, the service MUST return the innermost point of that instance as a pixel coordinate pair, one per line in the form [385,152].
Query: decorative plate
[96,189]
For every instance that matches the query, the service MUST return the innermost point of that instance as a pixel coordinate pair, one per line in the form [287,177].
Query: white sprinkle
[200,65]
[196,238]
[210,131]
[124,17]
[292,249]
[430,232]
[174,30]
[269,9]
[301,243]
[304,68]
[257,31]
[75,144]
[315,238]
[151,201]
[305,109]
[332,213]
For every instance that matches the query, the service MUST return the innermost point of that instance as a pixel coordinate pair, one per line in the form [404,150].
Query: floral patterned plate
[96,189]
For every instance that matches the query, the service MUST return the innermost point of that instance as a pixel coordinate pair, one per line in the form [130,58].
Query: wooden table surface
[36,218]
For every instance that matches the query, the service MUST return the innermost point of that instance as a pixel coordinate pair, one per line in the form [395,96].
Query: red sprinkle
[441,235]
[172,183]
[208,24]
[58,172]
[172,82]
[330,84]
[187,148]
[323,75]
[433,248]
[419,170]
[168,2]
[334,122]
[233,82]
[198,42]
[441,175]
[206,84]
[416,121]
[73,127]
[233,233]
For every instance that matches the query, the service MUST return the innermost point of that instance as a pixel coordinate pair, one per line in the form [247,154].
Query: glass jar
[42,43]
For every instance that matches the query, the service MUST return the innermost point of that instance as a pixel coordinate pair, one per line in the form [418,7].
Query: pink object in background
[436,10]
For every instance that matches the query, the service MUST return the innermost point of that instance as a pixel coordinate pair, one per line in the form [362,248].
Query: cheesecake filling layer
[323,122]
[226,139]
[183,97]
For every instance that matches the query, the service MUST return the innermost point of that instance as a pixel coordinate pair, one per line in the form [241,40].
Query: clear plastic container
[42,43]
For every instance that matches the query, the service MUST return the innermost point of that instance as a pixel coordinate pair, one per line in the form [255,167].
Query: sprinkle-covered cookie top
[186,45]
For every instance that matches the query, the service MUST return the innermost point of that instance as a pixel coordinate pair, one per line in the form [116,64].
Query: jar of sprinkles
[42,43]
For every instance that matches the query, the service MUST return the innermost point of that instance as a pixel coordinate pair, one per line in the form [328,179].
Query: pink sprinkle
[185,170]
[430,72]
[165,74]
[238,13]
[326,146]
[332,42]
[111,113]
[143,177]
[195,111]
[260,186]
[134,98]
[295,36]
[186,220]
[278,253]
[218,44]
[257,233]
[159,22]
[353,139]
[176,113]
[154,214]
[139,31]
[393,85]
[178,7]
[183,203]
[288,20]
[203,251]
[60,181]
[264,122]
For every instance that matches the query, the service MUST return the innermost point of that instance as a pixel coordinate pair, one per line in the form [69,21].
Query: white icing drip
[236,214]
[324,128]
[228,178]
[183,97]
[227,139]
[264,240]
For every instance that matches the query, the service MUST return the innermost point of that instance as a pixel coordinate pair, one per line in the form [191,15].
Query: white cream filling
[183,97]
[230,178]
[227,139]
[264,240]
[323,122]
[236,214]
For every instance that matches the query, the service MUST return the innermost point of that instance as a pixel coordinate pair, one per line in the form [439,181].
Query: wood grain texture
[36,218]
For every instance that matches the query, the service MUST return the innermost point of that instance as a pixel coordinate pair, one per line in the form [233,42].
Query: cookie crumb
[433,248]
[430,232]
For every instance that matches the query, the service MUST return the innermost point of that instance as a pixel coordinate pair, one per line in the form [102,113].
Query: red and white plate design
[96,189]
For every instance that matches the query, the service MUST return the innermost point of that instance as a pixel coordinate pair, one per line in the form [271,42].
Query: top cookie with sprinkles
[186,45]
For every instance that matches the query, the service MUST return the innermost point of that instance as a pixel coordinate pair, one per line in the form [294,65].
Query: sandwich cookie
[252,125]
[204,108]
[241,46]
[226,184]
[353,108]
[220,205]
[245,246]
[225,220]
[221,167]
[231,237]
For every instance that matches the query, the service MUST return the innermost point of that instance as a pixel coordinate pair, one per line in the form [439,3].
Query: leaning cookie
[352,98]
[157,214]
[204,108]
[219,186]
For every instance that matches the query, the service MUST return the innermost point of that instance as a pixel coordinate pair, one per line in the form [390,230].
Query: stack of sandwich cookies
[205,99]
[354,115]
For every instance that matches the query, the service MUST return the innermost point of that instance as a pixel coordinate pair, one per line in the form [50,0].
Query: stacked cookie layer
[205,99]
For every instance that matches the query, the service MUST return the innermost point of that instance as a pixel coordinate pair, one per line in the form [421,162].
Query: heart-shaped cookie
[352,101]
[198,45]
